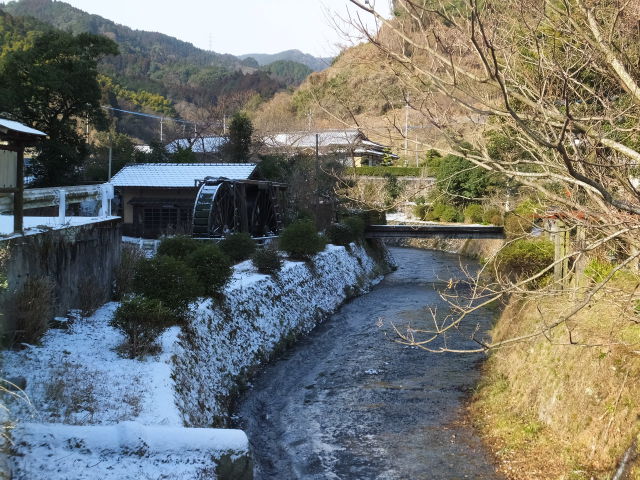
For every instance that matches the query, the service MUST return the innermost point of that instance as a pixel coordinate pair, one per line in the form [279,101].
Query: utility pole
[317,175]
[161,127]
[406,127]
[110,158]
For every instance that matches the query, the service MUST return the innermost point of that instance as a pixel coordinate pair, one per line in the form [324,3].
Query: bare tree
[551,92]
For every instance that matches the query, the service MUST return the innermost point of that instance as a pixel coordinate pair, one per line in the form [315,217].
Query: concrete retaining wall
[80,260]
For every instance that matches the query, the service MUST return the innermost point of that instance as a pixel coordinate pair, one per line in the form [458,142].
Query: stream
[347,402]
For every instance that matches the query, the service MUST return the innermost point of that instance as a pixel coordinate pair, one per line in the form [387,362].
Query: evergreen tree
[240,131]
[50,83]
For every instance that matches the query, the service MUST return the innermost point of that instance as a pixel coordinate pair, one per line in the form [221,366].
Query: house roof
[337,140]
[326,138]
[10,127]
[197,145]
[178,175]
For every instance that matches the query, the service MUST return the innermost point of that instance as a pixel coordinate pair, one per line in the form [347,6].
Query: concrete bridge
[434,231]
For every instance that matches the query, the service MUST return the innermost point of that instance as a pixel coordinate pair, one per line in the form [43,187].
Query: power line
[148,115]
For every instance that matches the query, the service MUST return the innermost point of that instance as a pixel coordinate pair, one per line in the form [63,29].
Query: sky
[239,26]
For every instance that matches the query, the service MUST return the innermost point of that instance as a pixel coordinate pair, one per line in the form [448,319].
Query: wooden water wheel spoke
[224,206]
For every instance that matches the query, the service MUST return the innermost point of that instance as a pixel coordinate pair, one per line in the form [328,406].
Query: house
[351,147]
[158,198]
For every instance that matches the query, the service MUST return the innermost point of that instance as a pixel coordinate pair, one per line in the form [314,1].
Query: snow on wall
[224,342]
[126,451]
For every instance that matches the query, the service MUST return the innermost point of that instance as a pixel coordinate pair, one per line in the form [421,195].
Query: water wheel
[215,213]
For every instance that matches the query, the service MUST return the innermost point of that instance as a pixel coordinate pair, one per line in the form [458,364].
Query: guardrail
[61,197]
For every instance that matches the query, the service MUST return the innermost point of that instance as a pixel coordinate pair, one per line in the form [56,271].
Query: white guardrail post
[62,206]
[106,195]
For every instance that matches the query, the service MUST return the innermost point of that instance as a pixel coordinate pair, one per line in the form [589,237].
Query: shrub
[434,212]
[356,225]
[300,240]
[516,225]
[443,213]
[31,308]
[383,171]
[212,268]
[520,221]
[523,258]
[598,270]
[124,273]
[369,217]
[473,213]
[493,216]
[267,261]
[169,280]
[238,246]
[142,320]
[420,211]
[449,213]
[178,247]
[340,234]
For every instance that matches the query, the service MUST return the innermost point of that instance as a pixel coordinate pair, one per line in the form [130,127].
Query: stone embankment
[260,316]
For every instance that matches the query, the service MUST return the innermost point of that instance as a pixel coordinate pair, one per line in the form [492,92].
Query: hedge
[382,171]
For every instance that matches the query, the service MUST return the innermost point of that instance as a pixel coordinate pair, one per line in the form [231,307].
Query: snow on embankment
[92,414]
[261,313]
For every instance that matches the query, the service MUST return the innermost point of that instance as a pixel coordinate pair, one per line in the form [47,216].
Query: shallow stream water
[350,403]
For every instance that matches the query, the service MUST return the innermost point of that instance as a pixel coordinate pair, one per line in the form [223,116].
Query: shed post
[18,196]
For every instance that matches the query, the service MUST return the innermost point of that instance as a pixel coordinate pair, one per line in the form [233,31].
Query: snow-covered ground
[93,414]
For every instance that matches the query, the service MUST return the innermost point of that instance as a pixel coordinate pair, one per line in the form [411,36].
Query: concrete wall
[79,259]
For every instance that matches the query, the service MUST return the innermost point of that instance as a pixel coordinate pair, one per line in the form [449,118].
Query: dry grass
[90,297]
[30,309]
[72,396]
[553,409]
[130,257]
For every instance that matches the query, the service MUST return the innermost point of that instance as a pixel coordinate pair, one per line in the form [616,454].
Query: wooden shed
[14,138]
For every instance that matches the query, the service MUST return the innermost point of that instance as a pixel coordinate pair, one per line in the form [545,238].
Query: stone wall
[473,247]
[80,260]
[262,315]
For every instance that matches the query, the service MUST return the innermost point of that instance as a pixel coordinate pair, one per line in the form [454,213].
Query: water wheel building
[159,198]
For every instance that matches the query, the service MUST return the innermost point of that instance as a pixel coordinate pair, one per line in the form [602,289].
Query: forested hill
[314,63]
[160,64]
[156,47]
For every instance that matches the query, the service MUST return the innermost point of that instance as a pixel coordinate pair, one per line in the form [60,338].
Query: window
[160,218]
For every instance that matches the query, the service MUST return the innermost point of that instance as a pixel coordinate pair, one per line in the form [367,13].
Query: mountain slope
[155,62]
[314,63]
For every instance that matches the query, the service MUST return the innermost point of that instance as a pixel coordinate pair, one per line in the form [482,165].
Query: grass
[552,409]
